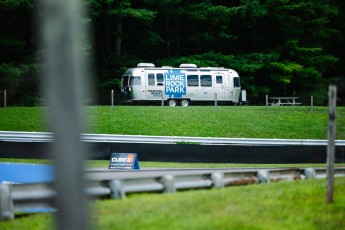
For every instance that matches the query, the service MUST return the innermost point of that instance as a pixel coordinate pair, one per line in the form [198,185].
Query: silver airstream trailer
[180,86]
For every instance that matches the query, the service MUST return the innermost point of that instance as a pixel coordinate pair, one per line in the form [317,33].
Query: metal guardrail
[10,136]
[23,197]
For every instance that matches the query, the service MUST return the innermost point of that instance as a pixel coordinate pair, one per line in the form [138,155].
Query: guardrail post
[217,180]
[215,99]
[263,176]
[309,173]
[169,184]
[117,191]
[311,103]
[162,100]
[6,203]
[332,96]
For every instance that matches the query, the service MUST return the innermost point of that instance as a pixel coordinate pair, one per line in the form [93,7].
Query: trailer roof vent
[188,66]
[146,65]
[208,67]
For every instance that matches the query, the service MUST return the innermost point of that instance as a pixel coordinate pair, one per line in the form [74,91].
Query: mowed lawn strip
[286,122]
[280,205]
[283,205]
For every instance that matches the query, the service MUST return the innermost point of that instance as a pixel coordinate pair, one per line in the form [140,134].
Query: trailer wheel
[172,102]
[185,102]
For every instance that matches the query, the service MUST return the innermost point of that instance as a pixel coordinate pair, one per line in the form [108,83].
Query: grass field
[296,122]
[281,205]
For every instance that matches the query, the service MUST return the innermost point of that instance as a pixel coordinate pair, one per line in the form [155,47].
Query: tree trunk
[118,40]
[167,36]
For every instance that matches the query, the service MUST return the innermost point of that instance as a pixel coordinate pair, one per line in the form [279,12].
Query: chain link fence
[10,98]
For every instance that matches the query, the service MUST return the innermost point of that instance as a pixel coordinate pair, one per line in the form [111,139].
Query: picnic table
[278,101]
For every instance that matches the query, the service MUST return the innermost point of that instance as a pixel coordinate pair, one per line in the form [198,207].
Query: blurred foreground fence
[10,98]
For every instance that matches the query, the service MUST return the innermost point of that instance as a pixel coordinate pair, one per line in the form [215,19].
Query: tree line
[279,47]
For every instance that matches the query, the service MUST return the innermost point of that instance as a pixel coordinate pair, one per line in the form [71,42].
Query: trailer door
[220,86]
[206,86]
[154,87]
[136,89]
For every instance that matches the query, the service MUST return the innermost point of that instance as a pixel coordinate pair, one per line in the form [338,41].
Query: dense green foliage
[282,205]
[279,47]
[297,122]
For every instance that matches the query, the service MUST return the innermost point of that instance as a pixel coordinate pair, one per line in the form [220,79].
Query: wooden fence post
[266,103]
[5,98]
[332,97]
[112,97]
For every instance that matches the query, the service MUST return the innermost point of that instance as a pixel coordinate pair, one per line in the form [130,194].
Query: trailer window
[134,81]
[124,81]
[206,80]
[160,78]
[219,79]
[237,82]
[193,80]
[151,79]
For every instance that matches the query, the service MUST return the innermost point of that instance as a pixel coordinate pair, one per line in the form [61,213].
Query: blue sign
[175,83]
[124,161]
[25,173]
